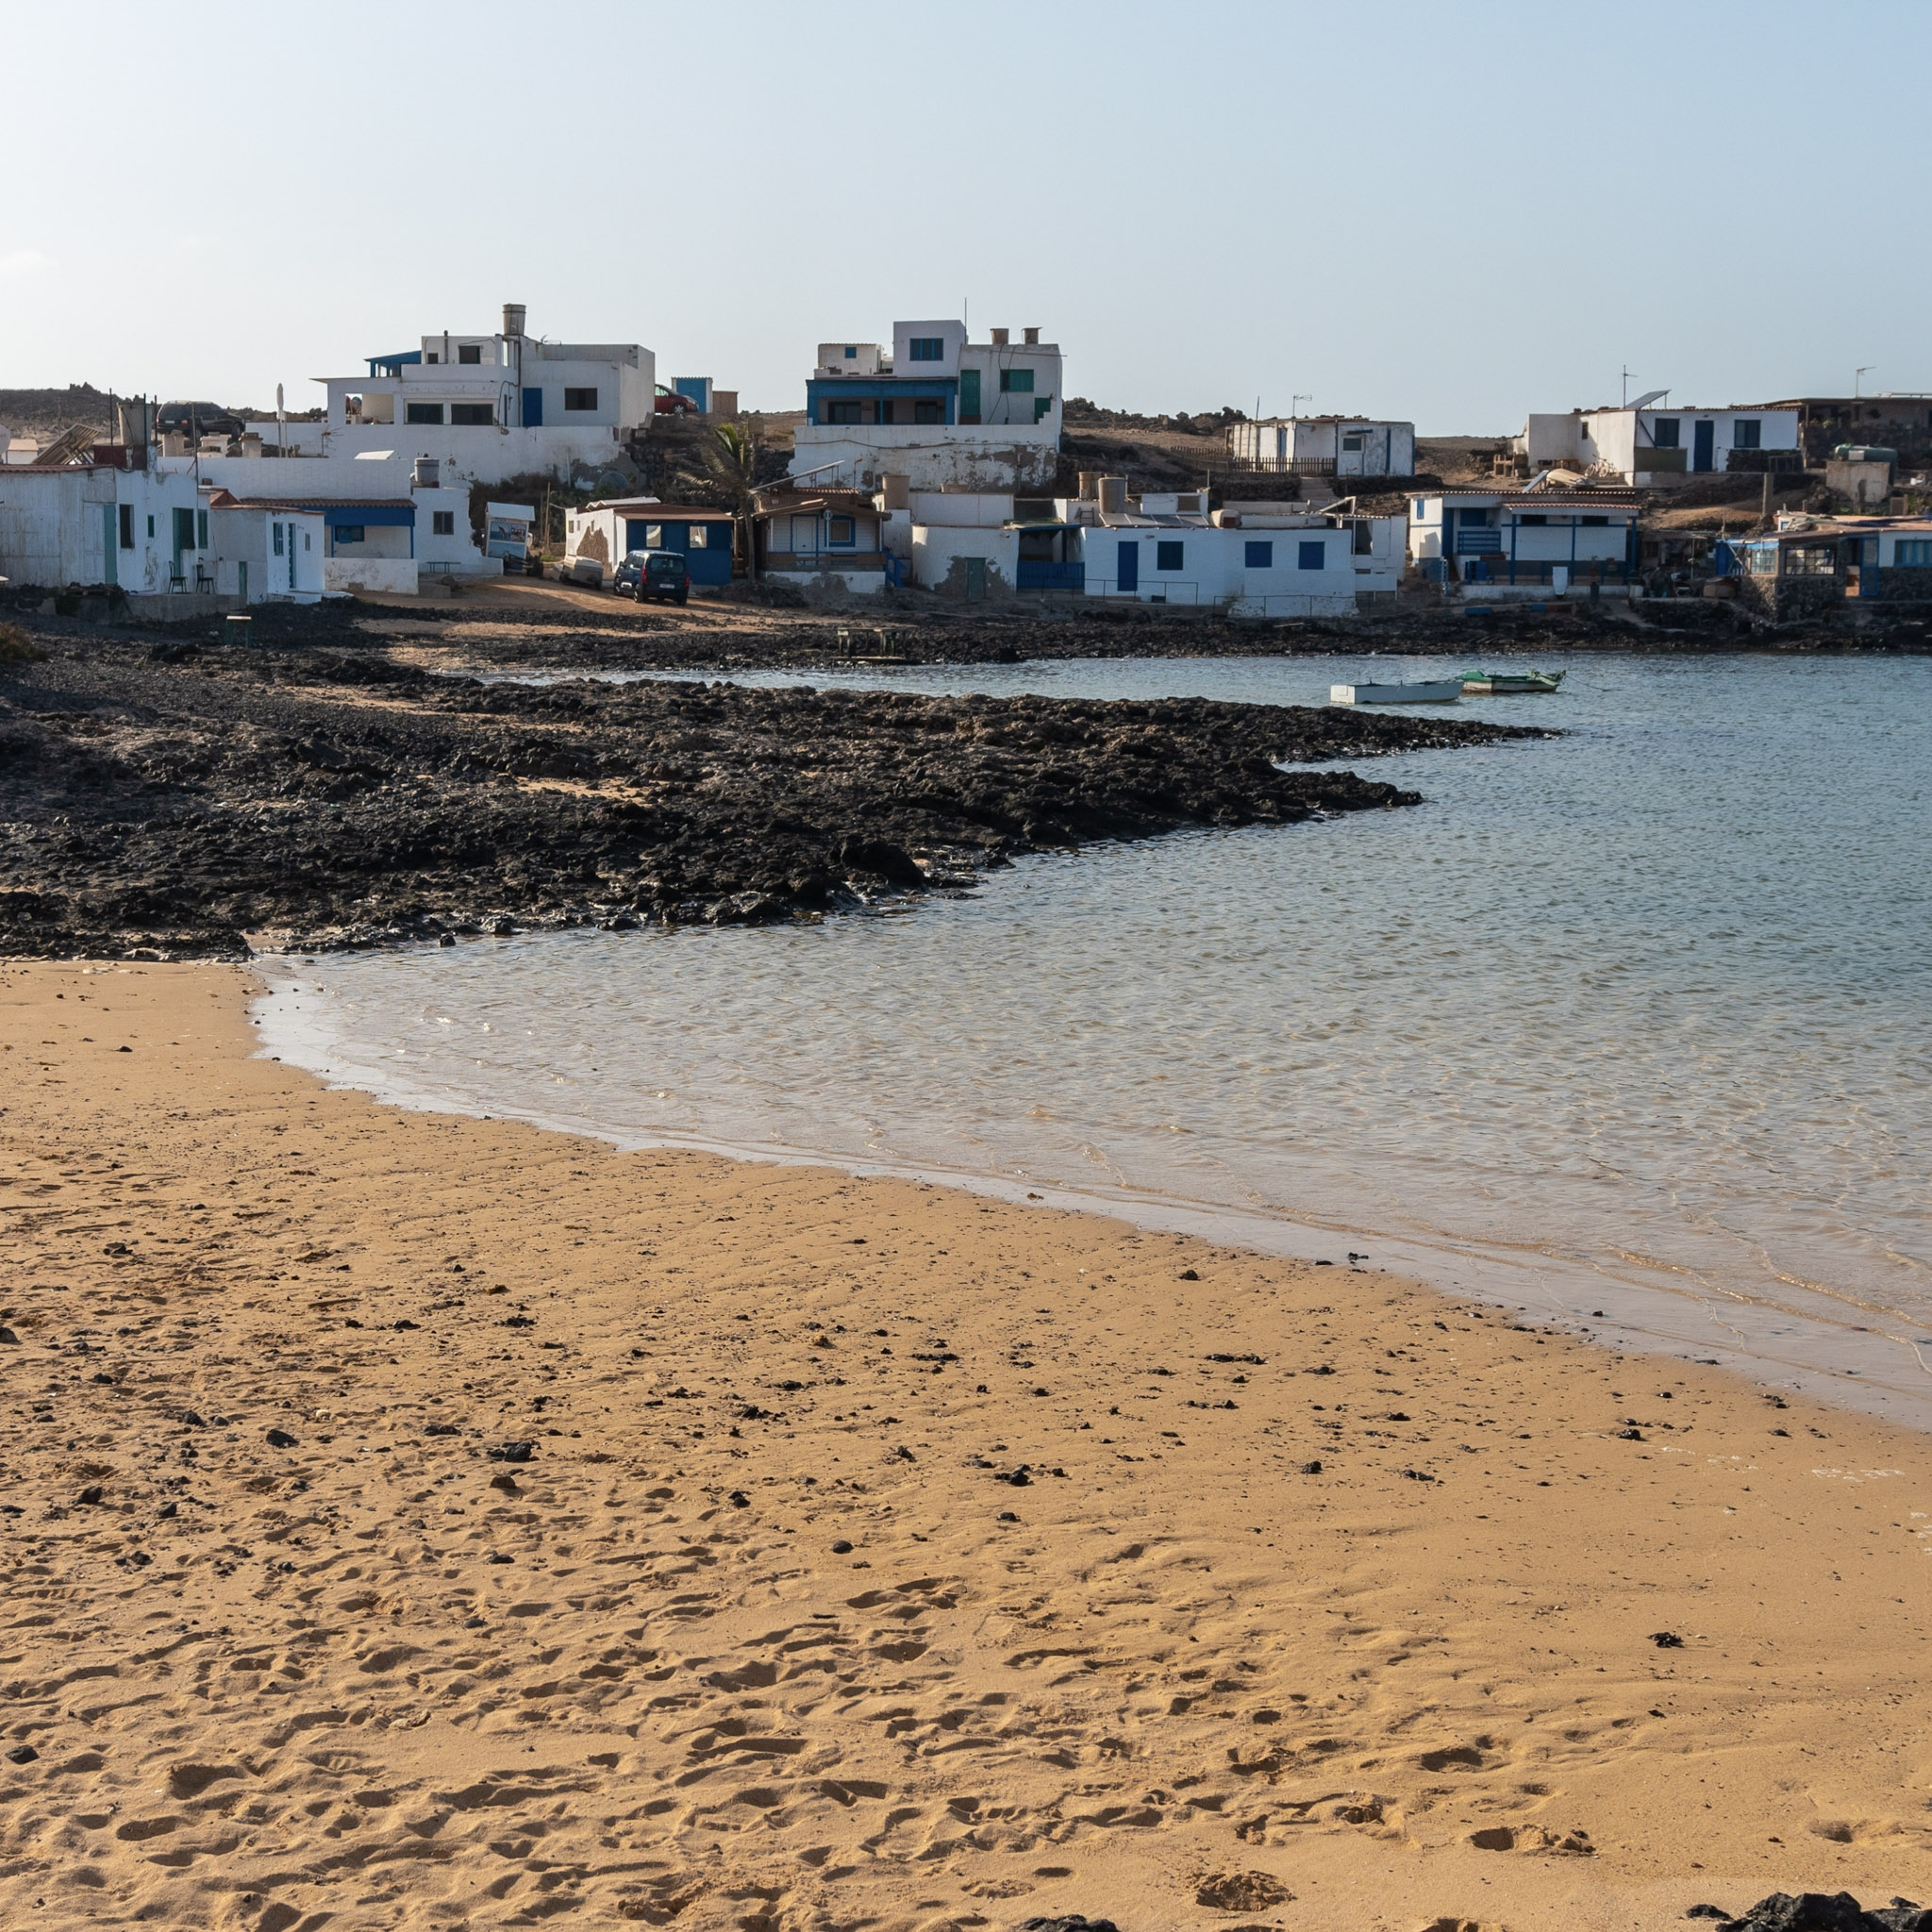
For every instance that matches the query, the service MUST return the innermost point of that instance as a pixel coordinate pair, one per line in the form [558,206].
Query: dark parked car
[198,418]
[647,573]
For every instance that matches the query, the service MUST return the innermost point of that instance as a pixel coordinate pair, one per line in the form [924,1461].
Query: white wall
[953,334]
[246,536]
[55,524]
[1214,569]
[373,575]
[940,550]
[1624,438]
[929,457]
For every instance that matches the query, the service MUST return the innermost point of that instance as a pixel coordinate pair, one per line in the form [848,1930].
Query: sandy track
[372,1676]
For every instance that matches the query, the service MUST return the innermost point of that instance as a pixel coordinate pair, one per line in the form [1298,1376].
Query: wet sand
[292,1646]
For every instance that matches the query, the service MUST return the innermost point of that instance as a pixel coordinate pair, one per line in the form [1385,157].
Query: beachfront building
[1651,446]
[601,535]
[1537,542]
[1322,447]
[943,412]
[111,519]
[823,542]
[1810,564]
[1249,559]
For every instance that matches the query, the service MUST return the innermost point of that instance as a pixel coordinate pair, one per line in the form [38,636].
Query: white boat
[1442,690]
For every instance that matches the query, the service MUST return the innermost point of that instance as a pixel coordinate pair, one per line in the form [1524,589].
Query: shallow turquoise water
[1637,1020]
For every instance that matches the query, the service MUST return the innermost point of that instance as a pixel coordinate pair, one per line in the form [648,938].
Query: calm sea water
[1631,1029]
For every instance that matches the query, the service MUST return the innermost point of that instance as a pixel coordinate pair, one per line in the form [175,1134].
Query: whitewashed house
[1648,445]
[108,521]
[1249,559]
[945,413]
[1535,542]
[265,553]
[491,407]
[824,541]
[1322,447]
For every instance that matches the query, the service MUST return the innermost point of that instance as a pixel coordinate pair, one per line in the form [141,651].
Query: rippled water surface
[1635,1021]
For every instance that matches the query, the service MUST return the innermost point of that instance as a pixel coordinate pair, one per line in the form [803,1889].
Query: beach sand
[295,1649]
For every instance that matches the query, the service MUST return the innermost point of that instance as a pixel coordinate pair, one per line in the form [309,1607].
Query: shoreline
[1421,1683]
[1639,1311]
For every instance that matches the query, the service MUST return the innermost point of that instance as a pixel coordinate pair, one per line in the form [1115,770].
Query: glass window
[1351,443]
[201,530]
[1313,557]
[277,528]
[842,412]
[1595,522]
[348,533]
[1746,432]
[580,399]
[844,533]
[443,523]
[1532,520]
[1913,553]
[127,526]
[852,352]
[150,529]
[1016,382]
[475,415]
[923,349]
[1258,555]
[1810,560]
[698,537]
[654,535]
[1665,432]
[1418,508]
[469,352]
[929,413]
[1761,559]
[1168,555]
[422,412]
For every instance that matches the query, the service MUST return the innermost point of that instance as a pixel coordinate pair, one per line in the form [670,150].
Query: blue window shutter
[1259,557]
[1314,556]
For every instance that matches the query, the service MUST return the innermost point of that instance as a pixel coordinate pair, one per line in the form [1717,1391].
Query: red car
[669,403]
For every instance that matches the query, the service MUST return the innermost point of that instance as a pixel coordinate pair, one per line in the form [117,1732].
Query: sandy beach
[422,1521]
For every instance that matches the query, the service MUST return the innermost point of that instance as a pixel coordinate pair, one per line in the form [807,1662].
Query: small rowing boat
[1497,684]
[1444,690]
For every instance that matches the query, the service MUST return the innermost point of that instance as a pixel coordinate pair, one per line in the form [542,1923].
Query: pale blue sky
[1454,213]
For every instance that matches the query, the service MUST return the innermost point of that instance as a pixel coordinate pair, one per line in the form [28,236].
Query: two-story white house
[938,409]
[1648,444]
[491,407]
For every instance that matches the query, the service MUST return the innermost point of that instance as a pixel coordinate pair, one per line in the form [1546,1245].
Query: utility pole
[1858,376]
[1626,386]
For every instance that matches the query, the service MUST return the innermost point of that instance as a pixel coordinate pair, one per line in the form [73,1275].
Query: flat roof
[645,508]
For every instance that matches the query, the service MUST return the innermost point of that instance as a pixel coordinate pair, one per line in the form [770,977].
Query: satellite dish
[1648,397]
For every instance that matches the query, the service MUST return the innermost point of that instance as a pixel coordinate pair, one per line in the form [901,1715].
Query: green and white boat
[1496,684]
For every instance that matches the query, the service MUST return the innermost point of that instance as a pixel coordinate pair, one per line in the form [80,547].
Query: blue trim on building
[390,514]
[862,388]
[389,365]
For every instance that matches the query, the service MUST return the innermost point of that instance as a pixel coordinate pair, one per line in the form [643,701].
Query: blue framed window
[348,533]
[852,352]
[1259,555]
[1168,555]
[1913,553]
[1313,557]
[923,349]
[1016,382]
[1747,433]
[1419,510]
[844,533]
[1665,433]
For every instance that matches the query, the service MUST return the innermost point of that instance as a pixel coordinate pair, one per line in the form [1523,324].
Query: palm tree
[725,463]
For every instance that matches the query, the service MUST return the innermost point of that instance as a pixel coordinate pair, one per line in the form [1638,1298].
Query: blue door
[533,408]
[1702,439]
[1128,578]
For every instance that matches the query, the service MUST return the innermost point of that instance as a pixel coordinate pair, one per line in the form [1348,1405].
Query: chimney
[1032,336]
[999,337]
[513,313]
[1114,496]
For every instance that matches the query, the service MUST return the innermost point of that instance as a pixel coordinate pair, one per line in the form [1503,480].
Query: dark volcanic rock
[167,805]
